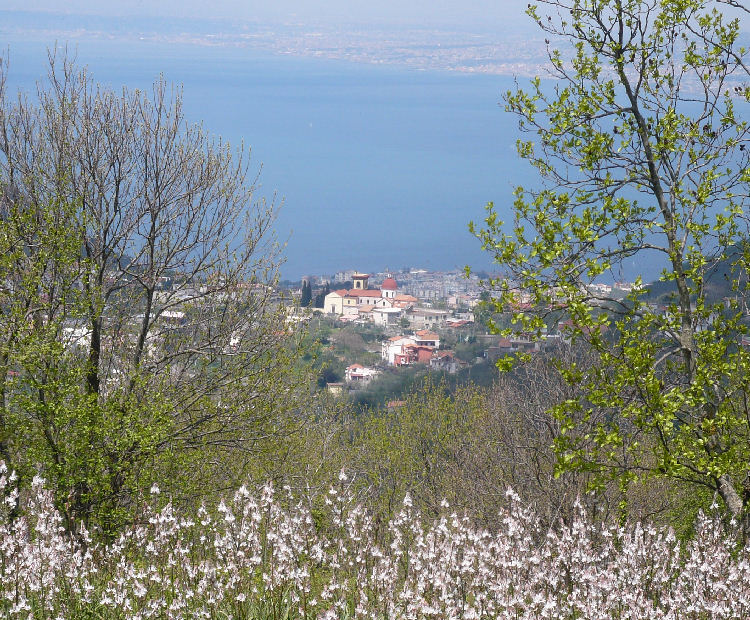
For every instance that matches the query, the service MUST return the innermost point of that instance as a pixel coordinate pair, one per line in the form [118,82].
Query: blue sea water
[376,166]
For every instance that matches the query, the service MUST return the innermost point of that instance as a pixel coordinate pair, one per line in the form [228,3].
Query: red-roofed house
[395,346]
[444,361]
[427,338]
[404,350]
[404,301]
[423,354]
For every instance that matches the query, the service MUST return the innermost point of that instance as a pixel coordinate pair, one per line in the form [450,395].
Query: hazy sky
[501,14]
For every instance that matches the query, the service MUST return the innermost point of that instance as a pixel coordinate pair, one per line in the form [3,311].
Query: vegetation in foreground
[265,555]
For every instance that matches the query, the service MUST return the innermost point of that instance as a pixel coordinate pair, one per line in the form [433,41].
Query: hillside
[724,279]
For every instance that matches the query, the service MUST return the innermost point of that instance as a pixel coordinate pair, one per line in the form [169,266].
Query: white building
[426,318]
[356,373]
[386,316]
[395,346]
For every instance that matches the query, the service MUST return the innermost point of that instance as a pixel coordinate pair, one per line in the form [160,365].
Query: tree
[321,297]
[306,297]
[483,310]
[640,143]
[157,346]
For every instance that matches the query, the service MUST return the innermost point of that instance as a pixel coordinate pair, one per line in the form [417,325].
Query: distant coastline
[426,49]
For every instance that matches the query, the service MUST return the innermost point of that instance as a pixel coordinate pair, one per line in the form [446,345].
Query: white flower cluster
[272,556]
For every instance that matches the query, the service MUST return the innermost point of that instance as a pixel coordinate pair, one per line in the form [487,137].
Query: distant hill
[718,282]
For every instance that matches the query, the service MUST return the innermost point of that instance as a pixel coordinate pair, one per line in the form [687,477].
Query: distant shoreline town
[416,48]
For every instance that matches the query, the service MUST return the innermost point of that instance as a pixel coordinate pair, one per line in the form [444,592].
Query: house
[405,358]
[413,354]
[364,313]
[173,318]
[426,318]
[76,334]
[462,301]
[421,354]
[427,338]
[444,361]
[350,302]
[500,349]
[393,347]
[406,350]
[404,301]
[372,297]
[358,374]
[386,316]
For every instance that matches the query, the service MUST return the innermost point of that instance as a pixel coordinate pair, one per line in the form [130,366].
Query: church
[361,300]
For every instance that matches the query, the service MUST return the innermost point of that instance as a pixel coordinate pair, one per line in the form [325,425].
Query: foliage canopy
[640,141]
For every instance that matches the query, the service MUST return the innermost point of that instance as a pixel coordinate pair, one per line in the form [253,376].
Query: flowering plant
[257,556]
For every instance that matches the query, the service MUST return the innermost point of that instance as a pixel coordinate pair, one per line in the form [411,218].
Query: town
[414,320]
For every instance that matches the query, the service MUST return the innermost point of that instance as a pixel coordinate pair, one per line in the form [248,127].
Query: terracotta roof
[363,292]
[426,334]
[389,284]
[354,366]
[405,298]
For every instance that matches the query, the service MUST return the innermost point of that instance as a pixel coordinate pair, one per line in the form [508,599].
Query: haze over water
[377,166]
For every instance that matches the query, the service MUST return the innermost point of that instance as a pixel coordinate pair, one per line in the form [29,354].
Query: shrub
[264,556]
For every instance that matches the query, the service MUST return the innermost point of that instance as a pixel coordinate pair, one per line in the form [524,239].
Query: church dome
[389,284]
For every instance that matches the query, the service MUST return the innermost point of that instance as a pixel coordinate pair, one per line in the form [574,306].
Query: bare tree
[180,341]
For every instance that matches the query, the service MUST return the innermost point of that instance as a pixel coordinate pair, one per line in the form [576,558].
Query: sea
[372,167]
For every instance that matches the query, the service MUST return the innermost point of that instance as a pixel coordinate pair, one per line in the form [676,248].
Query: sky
[484,14]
